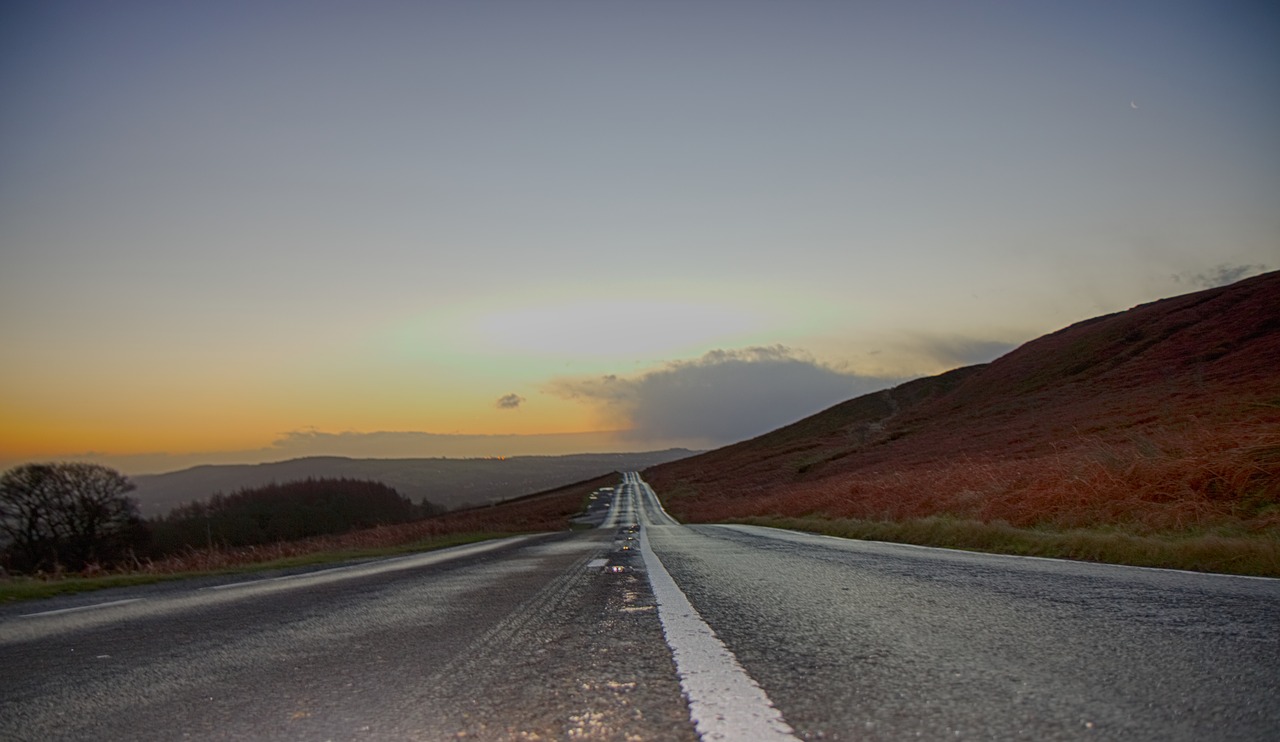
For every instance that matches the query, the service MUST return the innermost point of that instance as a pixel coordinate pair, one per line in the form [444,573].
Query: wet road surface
[562,637]
[527,640]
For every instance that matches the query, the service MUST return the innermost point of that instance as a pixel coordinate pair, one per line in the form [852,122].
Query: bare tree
[28,516]
[68,515]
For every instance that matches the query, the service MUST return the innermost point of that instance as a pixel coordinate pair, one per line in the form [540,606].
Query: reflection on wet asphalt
[859,640]
[526,641]
[558,637]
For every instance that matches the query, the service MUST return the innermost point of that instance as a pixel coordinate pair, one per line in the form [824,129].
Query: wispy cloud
[724,396]
[1220,275]
[509,401]
[962,351]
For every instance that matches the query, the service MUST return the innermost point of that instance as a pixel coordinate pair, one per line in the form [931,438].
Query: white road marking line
[725,703]
[80,608]
[652,501]
[284,578]
[366,569]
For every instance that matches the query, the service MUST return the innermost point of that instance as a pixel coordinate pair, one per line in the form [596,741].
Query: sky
[250,231]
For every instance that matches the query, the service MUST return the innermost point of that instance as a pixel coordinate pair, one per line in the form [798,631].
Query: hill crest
[1181,385]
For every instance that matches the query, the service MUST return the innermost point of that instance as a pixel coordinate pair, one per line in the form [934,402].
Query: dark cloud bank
[724,396]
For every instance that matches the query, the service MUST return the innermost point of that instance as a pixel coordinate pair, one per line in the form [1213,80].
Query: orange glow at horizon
[215,425]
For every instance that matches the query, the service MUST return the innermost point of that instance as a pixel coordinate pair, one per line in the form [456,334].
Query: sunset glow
[236,232]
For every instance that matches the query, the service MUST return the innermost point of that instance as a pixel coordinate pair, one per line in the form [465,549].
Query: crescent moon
[1132,104]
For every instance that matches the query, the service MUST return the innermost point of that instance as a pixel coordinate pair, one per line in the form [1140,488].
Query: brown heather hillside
[1161,419]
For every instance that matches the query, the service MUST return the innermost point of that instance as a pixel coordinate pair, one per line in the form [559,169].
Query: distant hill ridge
[452,483]
[1112,396]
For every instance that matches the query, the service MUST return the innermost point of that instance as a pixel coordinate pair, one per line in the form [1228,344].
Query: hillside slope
[1163,417]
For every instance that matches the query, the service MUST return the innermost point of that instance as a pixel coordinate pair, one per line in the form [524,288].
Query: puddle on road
[572,546]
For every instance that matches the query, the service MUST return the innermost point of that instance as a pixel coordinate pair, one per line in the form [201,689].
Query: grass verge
[1242,555]
[13,589]
[539,512]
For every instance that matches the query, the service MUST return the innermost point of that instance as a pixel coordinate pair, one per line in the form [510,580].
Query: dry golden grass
[1224,479]
[1252,555]
[1203,498]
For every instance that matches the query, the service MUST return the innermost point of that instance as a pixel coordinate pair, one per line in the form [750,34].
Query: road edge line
[725,703]
[751,528]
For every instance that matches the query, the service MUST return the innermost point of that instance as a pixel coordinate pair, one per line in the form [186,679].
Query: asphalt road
[525,640]
[751,634]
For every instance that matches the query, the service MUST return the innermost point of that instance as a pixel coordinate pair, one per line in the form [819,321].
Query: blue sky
[227,228]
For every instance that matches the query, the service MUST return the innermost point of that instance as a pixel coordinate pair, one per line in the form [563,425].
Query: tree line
[69,516]
[285,512]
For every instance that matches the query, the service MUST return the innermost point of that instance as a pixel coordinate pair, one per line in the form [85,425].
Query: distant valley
[452,483]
